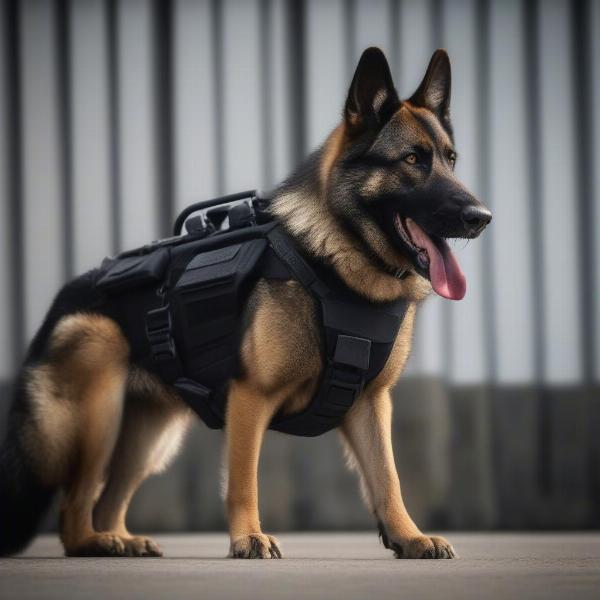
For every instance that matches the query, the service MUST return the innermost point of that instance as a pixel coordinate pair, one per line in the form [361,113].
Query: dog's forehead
[414,124]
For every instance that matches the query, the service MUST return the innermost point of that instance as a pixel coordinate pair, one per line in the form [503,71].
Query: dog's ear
[372,98]
[434,91]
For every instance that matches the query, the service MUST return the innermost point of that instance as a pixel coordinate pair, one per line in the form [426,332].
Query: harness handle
[192,208]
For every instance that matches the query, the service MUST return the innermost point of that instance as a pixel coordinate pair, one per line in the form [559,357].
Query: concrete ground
[352,565]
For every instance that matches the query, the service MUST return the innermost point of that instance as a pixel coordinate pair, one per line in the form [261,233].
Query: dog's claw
[423,547]
[255,545]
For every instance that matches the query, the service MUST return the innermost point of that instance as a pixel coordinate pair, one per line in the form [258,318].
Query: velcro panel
[352,352]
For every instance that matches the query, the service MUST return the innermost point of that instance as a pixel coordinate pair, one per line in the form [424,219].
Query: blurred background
[114,115]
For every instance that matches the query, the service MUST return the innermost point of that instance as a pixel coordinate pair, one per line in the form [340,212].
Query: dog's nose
[475,218]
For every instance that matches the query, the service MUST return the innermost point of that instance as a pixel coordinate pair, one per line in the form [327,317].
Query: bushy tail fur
[24,500]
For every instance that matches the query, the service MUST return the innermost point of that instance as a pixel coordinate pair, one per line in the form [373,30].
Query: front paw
[423,546]
[139,545]
[255,545]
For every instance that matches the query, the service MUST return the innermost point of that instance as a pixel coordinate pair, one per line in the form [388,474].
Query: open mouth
[433,258]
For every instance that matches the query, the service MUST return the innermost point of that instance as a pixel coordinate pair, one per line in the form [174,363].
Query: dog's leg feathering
[153,426]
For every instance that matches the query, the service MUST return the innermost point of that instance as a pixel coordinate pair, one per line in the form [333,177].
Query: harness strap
[347,357]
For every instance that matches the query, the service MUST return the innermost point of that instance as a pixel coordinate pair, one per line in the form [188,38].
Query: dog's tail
[24,500]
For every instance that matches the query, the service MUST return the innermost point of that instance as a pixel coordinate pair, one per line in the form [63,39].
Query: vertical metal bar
[114,125]
[241,53]
[593,23]
[14,173]
[532,87]
[394,34]
[280,119]
[437,20]
[582,111]
[217,27]
[297,68]
[483,119]
[43,225]
[65,107]
[559,153]
[266,65]
[163,89]
[194,136]
[89,164]
[138,134]
[350,49]
[532,92]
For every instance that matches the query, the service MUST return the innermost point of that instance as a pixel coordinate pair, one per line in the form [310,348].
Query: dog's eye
[411,158]
[452,159]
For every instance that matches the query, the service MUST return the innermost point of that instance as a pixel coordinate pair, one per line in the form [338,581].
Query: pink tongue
[447,278]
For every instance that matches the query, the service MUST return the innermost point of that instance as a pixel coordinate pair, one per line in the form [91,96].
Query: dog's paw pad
[255,545]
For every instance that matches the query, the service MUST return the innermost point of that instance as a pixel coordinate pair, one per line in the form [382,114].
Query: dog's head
[393,183]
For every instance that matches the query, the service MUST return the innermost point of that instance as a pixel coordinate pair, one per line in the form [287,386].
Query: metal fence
[116,114]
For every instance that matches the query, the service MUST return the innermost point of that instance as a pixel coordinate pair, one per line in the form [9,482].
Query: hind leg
[154,423]
[84,377]
[77,531]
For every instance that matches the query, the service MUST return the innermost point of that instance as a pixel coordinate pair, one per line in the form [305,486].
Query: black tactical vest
[179,302]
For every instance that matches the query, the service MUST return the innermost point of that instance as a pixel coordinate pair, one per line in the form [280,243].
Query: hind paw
[111,544]
[99,544]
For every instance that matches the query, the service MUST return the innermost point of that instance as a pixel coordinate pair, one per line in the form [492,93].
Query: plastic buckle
[159,334]
[344,386]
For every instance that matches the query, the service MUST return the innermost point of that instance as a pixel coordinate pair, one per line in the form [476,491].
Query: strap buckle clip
[159,334]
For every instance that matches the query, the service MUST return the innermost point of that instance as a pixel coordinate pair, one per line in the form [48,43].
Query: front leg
[248,416]
[367,429]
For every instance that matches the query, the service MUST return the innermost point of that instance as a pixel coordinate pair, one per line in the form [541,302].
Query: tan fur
[333,148]
[308,217]
[367,432]
[91,417]
[375,183]
[440,135]
[153,426]
[53,430]
[79,345]
[249,411]
[278,349]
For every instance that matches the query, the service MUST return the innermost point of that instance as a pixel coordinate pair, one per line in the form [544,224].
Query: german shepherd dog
[375,202]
